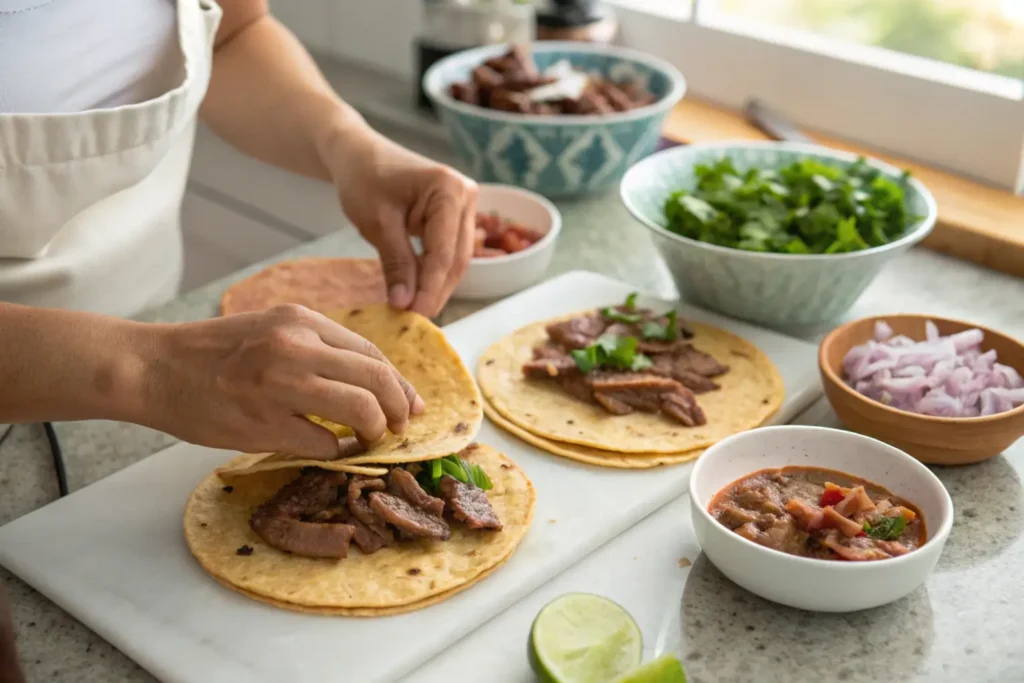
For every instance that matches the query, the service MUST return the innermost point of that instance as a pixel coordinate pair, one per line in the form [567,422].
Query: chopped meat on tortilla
[404,485]
[412,521]
[469,504]
[649,394]
[360,508]
[311,539]
[368,541]
[577,333]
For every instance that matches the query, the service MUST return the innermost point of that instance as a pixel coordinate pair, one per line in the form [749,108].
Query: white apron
[90,201]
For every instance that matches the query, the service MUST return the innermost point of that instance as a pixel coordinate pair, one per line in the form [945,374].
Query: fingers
[449,223]
[345,404]
[301,437]
[339,337]
[398,260]
[377,377]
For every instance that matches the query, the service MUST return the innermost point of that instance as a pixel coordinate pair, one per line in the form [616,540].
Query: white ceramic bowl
[498,276]
[805,583]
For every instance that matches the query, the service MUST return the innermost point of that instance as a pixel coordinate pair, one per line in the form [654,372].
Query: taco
[324,541]
[422,354]
[627,379]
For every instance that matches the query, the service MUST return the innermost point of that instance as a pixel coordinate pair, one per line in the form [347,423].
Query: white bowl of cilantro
[776,233]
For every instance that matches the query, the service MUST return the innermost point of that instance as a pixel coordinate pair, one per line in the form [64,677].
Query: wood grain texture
[932,440]
[976,222]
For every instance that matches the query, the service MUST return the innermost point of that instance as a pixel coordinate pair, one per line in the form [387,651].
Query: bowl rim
[938,538]
[835,379]
[436,89]
[549,237]
[920,231]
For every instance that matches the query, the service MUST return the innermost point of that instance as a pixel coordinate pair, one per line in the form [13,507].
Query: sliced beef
[636,390]
[335,513]
[404,485]
[578,386]
[666,365]
[311,539]
[368,541]
[686,357]
[469,504]
[360,508]
[577,333]
[310,492]
[682,405]
[552,366]
[413,521]
[612,404]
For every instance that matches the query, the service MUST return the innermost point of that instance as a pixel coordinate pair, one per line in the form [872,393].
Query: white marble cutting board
[113,554]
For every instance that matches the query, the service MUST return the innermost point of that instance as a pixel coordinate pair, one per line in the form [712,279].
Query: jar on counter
[450,26]
[580,20]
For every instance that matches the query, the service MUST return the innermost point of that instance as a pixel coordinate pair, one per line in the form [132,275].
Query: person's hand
[245,381]
[392,194]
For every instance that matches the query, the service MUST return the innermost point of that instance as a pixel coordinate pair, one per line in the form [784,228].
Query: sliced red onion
[943,376]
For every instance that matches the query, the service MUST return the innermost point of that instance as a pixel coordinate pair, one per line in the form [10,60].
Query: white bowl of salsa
[516,233]
[819,519]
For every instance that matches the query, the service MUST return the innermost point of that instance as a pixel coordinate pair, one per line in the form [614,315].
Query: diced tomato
[863,533]
[531,236]
[831,497]
[512,242]
[487,252]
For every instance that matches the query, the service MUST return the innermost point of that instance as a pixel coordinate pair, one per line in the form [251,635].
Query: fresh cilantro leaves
[807,207]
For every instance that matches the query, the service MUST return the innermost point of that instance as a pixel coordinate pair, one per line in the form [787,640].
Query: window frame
[944,116]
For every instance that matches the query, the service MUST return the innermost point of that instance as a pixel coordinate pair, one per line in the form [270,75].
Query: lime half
[583,638]
[667,669]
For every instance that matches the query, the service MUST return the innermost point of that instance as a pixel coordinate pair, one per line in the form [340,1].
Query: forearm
[64,365]
[268,98]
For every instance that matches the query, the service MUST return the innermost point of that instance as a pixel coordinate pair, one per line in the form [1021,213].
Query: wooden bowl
[932,440]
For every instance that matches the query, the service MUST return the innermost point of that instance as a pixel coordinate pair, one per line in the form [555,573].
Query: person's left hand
[392,194]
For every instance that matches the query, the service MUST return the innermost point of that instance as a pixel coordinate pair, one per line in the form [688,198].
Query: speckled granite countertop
[966,625]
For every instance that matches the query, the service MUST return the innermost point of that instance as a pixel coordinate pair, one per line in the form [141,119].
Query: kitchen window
[937,81]
[940,82]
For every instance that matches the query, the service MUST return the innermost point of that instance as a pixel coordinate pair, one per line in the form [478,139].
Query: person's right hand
[245,382]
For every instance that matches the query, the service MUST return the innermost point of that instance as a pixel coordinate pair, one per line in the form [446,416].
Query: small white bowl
[498,276]
[812,584]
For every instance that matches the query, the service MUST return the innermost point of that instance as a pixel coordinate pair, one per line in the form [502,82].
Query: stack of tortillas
[321,284]
[542,414]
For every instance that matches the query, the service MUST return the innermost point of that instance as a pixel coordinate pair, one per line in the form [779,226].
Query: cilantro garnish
[887,528]
[610,351]
[807,207]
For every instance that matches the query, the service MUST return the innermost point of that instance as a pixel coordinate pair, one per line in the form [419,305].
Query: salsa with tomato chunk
[497,236]
[819,513]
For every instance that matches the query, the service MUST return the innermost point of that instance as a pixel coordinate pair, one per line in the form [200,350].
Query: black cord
[58,458]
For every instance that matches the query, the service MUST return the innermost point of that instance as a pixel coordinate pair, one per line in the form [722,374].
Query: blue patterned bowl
[557,156]
[767,288]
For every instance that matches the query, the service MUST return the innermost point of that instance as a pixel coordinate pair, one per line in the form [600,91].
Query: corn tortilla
[591,456]
[422,354]
[366,611]
[322,284]
[407,575]
[750,393]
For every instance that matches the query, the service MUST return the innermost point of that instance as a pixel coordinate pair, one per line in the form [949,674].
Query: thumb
[308,440]
[398,260]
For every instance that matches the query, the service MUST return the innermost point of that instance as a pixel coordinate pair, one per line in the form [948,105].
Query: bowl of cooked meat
[513,244]
[946,391]
[560,118]
[819,519]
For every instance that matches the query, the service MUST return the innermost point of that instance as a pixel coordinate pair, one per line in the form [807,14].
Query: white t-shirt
[63,56]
